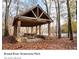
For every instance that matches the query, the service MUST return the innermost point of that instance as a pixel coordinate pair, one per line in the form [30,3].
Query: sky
[27,4]
[53,10]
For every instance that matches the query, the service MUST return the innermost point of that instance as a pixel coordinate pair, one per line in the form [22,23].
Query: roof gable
[38,11]
[34,17]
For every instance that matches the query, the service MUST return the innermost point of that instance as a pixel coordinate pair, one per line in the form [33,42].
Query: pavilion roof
[33,17]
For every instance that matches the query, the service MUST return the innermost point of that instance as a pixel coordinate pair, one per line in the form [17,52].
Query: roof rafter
[41,14]
[34,13]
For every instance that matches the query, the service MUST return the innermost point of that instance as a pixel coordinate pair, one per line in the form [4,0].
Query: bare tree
[8,3]
[17,11]
[69,22]
[58,17]
[45,3]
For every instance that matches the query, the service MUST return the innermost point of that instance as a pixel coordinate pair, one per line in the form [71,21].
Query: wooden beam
[37,12]
[18,29]
[26,29]
[36,29]
[41,14]
[49,29]
[39,29]
[31,30]
[30,18]
[34,13]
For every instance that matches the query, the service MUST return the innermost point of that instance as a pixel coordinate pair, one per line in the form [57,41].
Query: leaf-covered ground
[47,44]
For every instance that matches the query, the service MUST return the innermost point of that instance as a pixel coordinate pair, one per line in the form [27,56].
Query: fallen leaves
[47,44]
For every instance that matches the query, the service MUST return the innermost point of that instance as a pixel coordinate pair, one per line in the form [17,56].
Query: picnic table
[29,35]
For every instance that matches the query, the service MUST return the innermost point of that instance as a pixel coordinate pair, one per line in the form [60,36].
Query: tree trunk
[58,17]
[46,6]
[68,29]
[17,11]
[69,22]
[8,3]
[6,18]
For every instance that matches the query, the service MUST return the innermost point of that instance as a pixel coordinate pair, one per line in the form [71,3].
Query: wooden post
[26,29]
[15,30]
[31,30]
[18,29]
[39,29]
[18,38]
[37,12]
[36,30]
[49,29]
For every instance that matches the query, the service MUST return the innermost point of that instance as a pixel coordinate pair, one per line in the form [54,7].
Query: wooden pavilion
[36,16]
